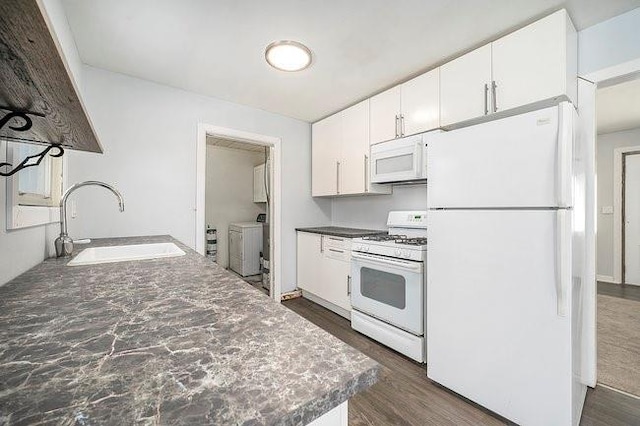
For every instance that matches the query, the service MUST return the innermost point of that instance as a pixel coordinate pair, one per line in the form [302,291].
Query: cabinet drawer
[339,243]
[337,254]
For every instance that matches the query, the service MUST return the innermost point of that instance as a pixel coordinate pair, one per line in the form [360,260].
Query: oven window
[397,164]
[384,287]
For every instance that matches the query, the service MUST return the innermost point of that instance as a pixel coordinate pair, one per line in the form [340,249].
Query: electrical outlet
[606,209]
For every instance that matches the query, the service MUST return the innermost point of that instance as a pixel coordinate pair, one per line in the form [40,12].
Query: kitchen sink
[95,255]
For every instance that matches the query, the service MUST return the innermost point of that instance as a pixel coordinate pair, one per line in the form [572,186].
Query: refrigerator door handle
[563,158]
[562,261]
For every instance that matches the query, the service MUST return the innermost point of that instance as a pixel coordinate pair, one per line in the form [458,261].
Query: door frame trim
[621,154]
[275,207]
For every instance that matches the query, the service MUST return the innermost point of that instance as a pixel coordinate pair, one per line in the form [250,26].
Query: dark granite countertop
[339,231]
[164,341]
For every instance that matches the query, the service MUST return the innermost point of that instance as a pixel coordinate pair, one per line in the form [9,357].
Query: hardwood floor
[625,291]
[405,396]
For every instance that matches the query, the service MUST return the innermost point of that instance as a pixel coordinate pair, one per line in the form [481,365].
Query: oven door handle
[400,264]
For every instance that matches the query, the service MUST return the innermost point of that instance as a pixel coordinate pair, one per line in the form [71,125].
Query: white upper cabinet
[410,108]
[536,63]
[420,103]
[325,151]
[354,156]
[385,116]
[340,154]
[465,86]
[532,67]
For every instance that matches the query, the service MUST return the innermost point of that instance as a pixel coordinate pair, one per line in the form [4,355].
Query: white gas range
[388,277]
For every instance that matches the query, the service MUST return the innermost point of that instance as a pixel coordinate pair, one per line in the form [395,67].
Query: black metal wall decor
[31,160]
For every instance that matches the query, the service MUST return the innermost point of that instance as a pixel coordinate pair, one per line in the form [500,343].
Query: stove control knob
[366,248]
[406,254]
[398,252]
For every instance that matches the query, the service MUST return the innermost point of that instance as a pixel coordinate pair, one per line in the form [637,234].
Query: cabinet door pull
[397,119]
[401,124]
[494,86]
[338,177]
[348,285]
[321,244]
[336,251]
[366,173]
[486,99]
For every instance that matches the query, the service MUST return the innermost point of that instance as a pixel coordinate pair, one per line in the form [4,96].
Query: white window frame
[25,210]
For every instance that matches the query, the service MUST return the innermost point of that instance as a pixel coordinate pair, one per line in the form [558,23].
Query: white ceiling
[618,107]
[360,46]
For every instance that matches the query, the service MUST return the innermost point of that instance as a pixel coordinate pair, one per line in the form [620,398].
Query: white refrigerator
[510,302]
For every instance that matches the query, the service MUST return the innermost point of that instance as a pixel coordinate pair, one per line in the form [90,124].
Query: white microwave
[400,160]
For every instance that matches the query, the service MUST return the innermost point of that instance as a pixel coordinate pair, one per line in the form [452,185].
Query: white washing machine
[245,244]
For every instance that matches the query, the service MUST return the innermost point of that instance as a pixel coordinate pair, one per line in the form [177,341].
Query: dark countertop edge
[307,413]
[348,233]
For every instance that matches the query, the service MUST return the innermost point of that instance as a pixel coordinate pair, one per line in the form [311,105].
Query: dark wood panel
[405,396]
[608,407]
[624,291]
[33,77]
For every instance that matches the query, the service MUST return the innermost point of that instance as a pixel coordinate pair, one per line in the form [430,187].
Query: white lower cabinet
[323,268]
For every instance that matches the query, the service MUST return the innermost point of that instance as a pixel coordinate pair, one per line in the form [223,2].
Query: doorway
[259,156]
[236,209]
[631,217]
[618,235]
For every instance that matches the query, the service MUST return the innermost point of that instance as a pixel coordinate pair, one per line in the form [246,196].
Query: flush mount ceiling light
[287,55]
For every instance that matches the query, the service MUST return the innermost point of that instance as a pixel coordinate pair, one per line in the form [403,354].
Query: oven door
[389,289]
[398,160]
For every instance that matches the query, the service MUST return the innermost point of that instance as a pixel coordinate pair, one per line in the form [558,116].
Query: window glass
[33,180]
[39,185]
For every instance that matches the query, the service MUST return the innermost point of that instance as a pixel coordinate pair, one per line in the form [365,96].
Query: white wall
[20,249]
[371,211]
[609,43]
[229,192]
[605,146]
[149,136]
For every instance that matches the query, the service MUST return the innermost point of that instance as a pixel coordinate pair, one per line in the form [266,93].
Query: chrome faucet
[64,243]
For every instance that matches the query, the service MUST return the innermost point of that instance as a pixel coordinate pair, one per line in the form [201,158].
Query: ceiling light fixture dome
[288,55]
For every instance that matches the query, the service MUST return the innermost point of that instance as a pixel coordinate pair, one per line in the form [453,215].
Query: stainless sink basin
[95,255]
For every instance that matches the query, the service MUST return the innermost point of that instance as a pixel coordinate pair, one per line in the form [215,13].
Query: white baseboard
[606,279]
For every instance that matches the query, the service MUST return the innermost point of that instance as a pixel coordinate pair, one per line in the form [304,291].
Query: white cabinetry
[340,154]
[385,113]
[323,268]
[532,67]
[536,63]
[410,108]
[325,151]
[309,262]
[420,99]
[260,184]
[464,86]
